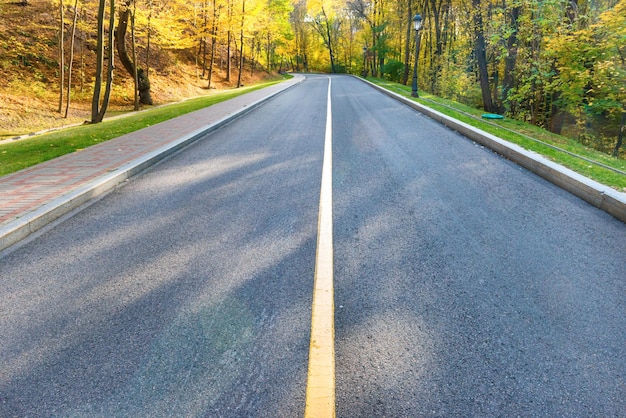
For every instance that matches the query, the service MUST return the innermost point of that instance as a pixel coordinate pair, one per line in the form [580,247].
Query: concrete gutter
[599,195]
[15,231]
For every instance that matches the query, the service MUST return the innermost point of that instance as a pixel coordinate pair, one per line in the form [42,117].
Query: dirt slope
[29,71]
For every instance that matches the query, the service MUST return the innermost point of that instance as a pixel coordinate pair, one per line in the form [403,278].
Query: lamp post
[417,25]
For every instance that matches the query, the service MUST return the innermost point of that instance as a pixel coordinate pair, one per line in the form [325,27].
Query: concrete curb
[599,195]
[15,231]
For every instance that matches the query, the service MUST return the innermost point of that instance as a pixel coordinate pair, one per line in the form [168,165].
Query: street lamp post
[417,25]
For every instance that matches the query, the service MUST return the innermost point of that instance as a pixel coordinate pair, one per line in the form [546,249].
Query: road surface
[463,285]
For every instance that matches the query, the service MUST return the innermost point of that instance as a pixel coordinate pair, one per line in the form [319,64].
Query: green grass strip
[24,153]
[518,132]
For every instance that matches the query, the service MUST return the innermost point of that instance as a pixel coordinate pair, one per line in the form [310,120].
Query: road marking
[320,390]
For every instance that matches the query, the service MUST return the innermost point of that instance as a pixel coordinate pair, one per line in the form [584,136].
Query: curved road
[464,285]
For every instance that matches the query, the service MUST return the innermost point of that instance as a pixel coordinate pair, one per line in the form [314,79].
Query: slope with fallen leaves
[29,71]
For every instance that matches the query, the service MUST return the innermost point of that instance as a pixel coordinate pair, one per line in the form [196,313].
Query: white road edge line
[320,391]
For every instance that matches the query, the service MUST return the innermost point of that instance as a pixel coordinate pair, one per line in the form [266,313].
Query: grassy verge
[16,155]
[520,133]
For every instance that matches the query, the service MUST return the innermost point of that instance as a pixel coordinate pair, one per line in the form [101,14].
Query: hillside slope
[29,71]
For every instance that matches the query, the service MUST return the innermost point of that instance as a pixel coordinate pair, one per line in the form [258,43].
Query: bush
[393,70]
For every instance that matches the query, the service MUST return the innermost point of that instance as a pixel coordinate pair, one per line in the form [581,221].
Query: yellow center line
[320,390]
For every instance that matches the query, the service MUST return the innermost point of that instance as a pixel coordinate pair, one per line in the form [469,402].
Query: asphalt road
[464,285]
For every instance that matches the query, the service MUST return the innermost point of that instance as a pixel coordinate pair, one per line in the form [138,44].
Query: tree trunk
[268,51]
[557,116]
[134,52]
[61,55]
[203,41]
[228,56]
[142,81]
[436,56]
[69,70]
[620,137]
[95,101]
[481,57]
[213,41]
[149,30]
[97,110]
[374,54]
[111,66]
[82,56]
[511,56]
[330,42]
[243,14]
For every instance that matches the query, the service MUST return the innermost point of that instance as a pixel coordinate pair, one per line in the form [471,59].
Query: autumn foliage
[559,64]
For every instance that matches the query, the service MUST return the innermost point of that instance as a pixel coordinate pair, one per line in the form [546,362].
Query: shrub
[392,70]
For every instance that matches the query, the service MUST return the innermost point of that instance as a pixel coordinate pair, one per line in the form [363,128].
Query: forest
[558,64]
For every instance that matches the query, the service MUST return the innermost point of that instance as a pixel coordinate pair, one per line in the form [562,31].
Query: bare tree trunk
[69,70]
[61,55]
[148,40]
[481,56]
[111,66]
[253,57]
[82,56]
[203,38]
[229,40]
[213,41]
[95,101]
[407,43]
[132,37]
[143,83]
[620,137]
[330,42]
[243,14]
[511,56]
[228,54]
[268,51]
[98,111]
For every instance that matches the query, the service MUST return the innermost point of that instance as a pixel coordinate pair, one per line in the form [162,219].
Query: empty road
[463,284]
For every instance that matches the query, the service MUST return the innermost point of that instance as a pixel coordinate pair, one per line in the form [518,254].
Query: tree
[299,21]
[548,62]
[322,24]
[609,74]
[61,54]
[98,110]
[511,50]
[407,42]
[481,56]
[589,74]
[71,63]
[141,81]
[373,14]
[274,27]
[214,35]
[241,28]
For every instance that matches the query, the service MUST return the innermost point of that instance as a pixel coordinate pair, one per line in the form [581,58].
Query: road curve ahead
[463,285]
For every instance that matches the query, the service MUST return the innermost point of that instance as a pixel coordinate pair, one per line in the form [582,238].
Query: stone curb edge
[597,194]
[17,230]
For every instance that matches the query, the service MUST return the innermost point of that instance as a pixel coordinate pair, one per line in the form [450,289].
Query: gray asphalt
[464,285]
[186,292]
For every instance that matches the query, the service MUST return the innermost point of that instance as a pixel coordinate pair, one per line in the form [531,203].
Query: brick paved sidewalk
[36,196]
